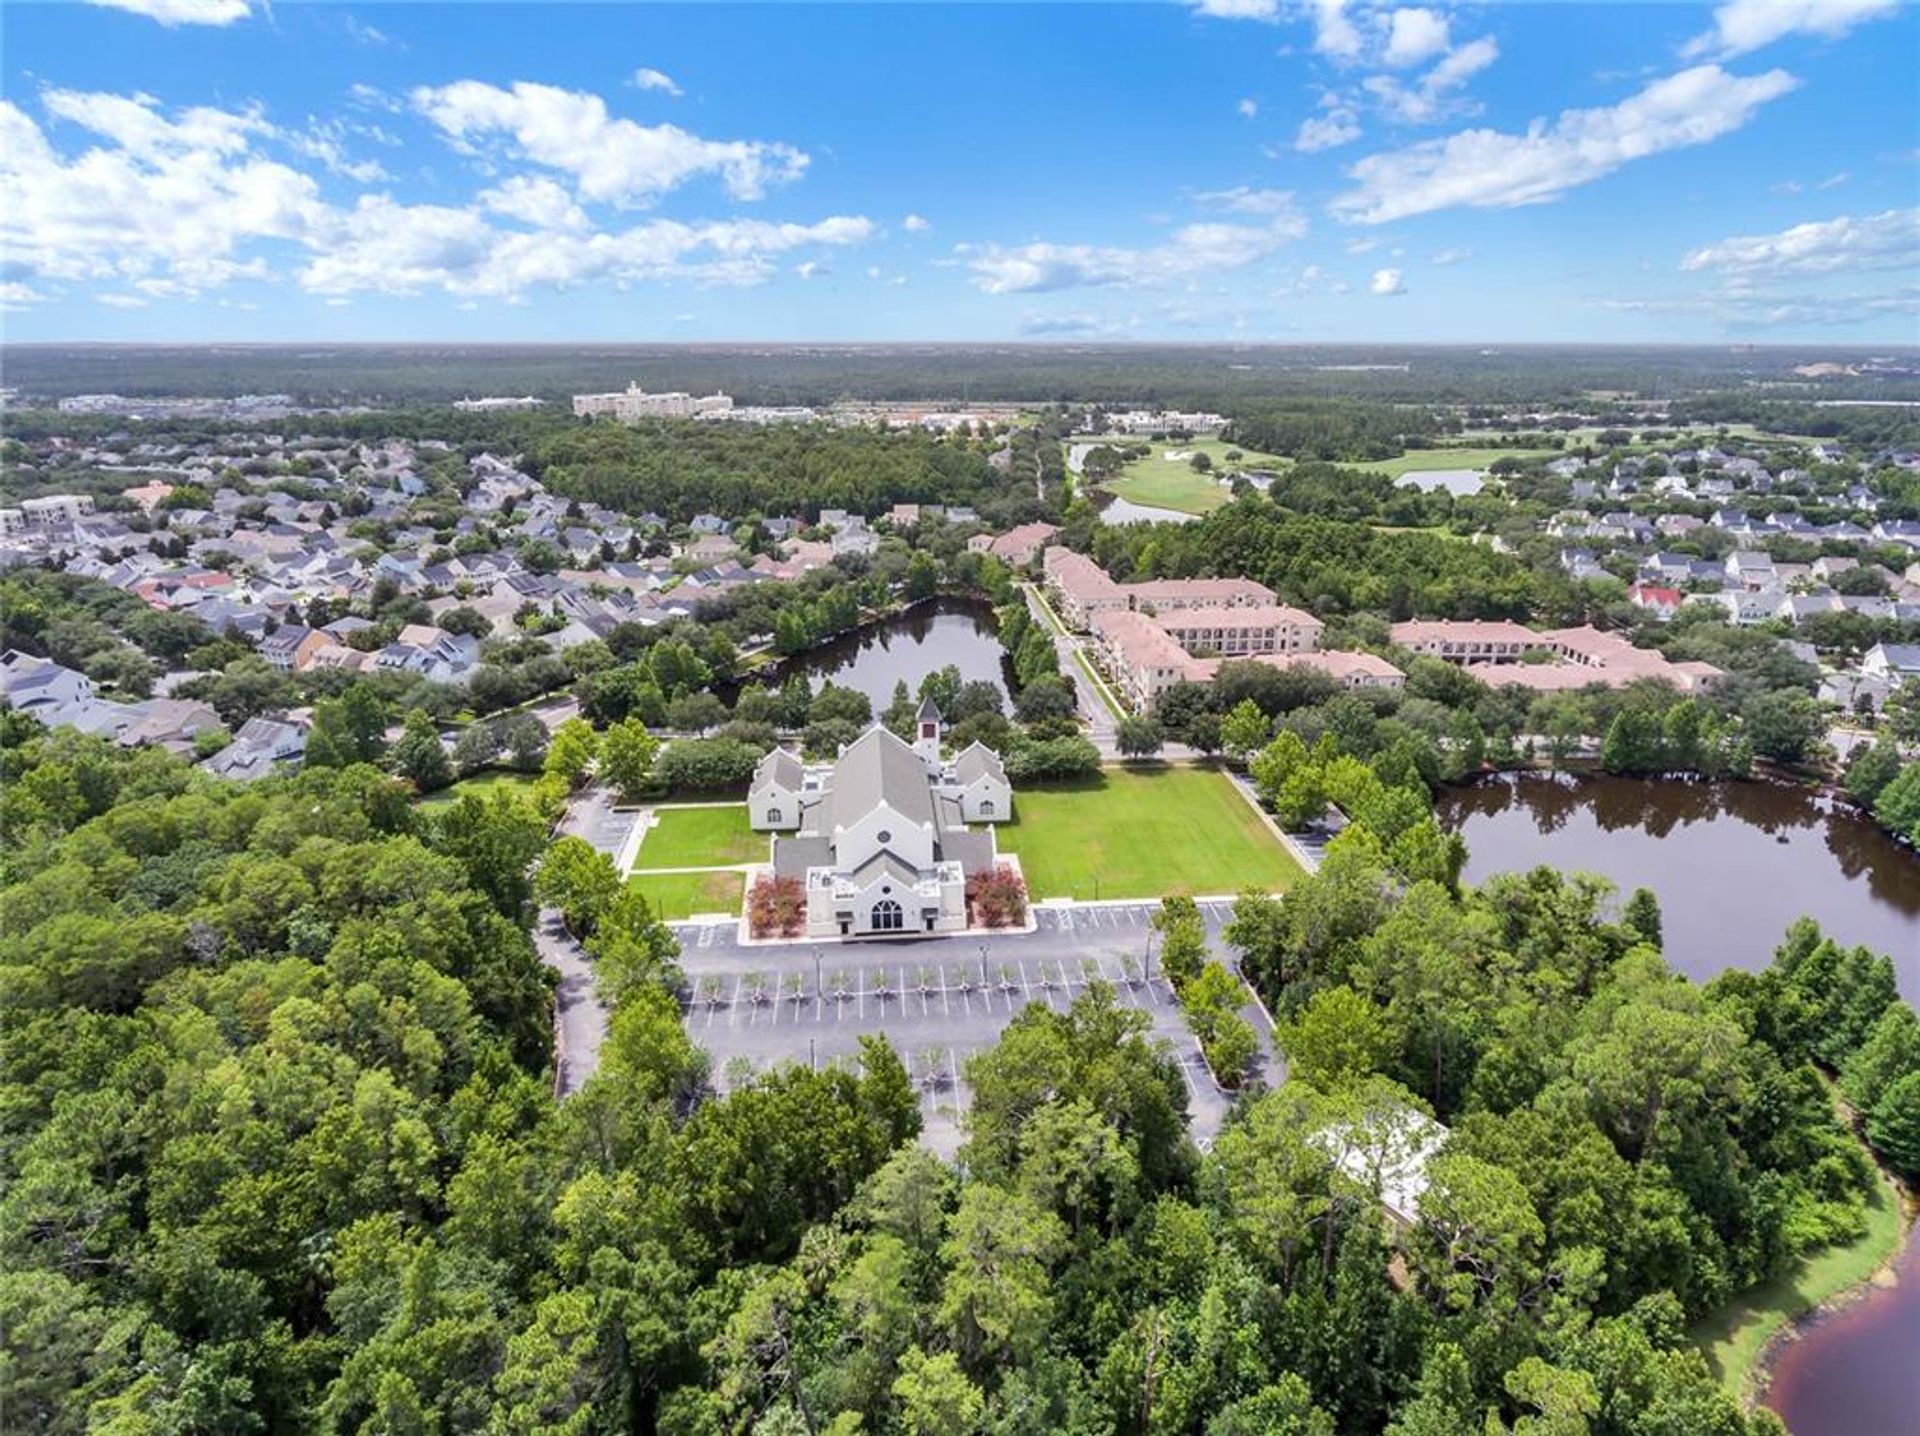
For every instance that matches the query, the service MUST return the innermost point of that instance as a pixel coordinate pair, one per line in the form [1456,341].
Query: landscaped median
[693,858]
[1144,832]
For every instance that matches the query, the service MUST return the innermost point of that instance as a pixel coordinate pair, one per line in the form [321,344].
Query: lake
[906,648]
[1126,511]
[1733,864]
[1461,483]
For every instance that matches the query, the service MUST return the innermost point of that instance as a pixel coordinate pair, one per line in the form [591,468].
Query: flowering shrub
[776,907]
[997,898]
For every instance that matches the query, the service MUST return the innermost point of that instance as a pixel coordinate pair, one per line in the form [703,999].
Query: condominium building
[56,509]
[1242,632]
[634,403]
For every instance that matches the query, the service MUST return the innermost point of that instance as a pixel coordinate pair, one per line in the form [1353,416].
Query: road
[579,1018]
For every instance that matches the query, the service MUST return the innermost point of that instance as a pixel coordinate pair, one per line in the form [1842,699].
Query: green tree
[579,880]
[1245,730]
[1894,1126]
[627,754]
[419,755]
[572,751]
[1338,1038]
[936,1398]
[349,729]
[1140,737]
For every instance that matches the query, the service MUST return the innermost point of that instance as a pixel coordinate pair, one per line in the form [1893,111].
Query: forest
[282,1154]
[1217,376]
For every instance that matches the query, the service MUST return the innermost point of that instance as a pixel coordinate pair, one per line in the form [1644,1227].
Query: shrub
[997,898]
[776,906]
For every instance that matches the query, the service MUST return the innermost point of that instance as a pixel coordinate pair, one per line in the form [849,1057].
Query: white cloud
[1740,26]
[1243,199]
[534,200]
[1248,108]
[387,248]
[15,295]
[1490,169]
[171,204]
[1879,241]
[1432,97]
[1079,322]
[648,78]
[1361,246]
[612,161]
[1239,9]
[1386,282]
[1441,258]
[811,269]
[1339,126]
[1415,35]
[1193,250]
[915,224]
[1334,32]
[121,301]
[325,141]
[1834,181]
[1736,309]
[182,12]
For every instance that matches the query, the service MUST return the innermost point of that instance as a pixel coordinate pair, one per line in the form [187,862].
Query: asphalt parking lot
[938,1000]
[592,816]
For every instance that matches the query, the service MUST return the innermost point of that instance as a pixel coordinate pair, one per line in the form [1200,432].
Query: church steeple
[926,731]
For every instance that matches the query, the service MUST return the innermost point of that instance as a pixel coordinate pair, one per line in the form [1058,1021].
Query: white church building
[885,837]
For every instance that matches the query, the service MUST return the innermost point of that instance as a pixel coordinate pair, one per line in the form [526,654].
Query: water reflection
[906,648]
[1732,863]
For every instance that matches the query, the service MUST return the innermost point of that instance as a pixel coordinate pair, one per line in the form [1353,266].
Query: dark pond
[907,648]
[1733,864]
[1855,1372]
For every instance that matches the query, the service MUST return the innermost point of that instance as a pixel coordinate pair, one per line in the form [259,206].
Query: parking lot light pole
[1148,973]
[983,965]
[816,973]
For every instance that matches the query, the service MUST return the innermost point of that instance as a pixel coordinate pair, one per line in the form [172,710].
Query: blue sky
[1266,170]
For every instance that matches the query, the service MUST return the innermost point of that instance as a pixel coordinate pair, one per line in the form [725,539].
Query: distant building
[633,404]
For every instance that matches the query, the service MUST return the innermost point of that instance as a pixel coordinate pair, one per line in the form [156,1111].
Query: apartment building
[633,403]
[54,509]
[1469,641]
[1242,632]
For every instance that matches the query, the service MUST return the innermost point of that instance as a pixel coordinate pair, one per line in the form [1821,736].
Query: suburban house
[880,836]
[261,745]
[292,646]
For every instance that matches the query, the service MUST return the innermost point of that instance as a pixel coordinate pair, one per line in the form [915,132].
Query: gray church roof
[978,761]
[879,768]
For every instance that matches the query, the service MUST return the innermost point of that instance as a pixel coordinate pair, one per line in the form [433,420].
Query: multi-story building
[1468,641]
[634,403]
[55,509]
[1242,632]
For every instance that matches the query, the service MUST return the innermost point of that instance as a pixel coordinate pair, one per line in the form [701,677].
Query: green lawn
[482,785]
[701,838]
[1172,484]
[1449,459]
[1734,1337]
[1138,833]
[681,895]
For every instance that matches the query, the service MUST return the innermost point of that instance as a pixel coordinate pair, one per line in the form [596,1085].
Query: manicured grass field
[701,838]
[1449,459]
[681,895]
[482,785]
[1734,1337]
[1143,832]
[1172,483]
